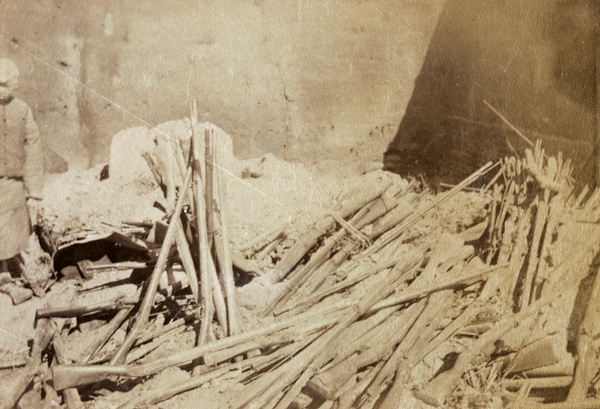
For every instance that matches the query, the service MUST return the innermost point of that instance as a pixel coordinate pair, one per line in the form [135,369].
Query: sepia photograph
[300,204]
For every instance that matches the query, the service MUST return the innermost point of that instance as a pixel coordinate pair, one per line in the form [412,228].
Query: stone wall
[297,78]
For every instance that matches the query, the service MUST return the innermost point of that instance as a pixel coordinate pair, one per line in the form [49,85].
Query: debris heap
[396,297]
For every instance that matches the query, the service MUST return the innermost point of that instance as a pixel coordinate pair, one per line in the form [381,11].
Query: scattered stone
[17,293]
[5,278]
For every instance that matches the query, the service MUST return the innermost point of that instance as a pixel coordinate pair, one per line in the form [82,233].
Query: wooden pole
[183,248]
[203,248]
[209,183]
[224,256]
[597,109]
[217,294]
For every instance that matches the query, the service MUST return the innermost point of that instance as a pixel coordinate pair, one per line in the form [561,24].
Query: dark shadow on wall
[532,61]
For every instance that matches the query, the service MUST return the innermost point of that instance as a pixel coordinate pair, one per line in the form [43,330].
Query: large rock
[126,163]
[180,132]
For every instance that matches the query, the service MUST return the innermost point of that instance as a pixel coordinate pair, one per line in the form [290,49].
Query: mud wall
[297,78]
[533,61]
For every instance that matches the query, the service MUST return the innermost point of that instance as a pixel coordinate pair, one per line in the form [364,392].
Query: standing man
[21,169]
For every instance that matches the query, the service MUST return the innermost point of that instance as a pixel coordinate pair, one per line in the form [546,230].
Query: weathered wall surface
[297,78]
[533,61]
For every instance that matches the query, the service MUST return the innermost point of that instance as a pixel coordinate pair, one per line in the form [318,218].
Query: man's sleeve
[34,160]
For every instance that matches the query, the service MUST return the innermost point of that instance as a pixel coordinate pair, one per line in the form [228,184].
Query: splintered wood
[370,307]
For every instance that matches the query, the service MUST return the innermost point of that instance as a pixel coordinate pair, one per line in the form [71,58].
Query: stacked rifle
[370,306]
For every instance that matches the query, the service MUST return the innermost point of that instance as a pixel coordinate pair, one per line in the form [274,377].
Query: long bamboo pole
[223,253]
[203,248]
[209,184]
[183,248]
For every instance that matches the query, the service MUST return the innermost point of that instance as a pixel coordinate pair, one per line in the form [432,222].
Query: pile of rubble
[382,294]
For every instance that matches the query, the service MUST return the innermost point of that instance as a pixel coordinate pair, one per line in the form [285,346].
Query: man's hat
[8,70]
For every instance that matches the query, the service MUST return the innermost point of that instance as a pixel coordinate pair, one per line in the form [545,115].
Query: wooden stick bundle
[391,332]
[77,375]
[144,311]
[302,367]
[396,371]
[585,369]
[309,302]
[325,348]
[345,208]
[300,276]
[436,392]
[411,220]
